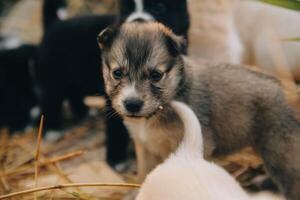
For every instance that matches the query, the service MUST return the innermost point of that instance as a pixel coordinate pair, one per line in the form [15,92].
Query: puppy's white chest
[137,129]
[156,137]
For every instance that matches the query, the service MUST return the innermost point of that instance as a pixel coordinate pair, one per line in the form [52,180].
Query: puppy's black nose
[133,105]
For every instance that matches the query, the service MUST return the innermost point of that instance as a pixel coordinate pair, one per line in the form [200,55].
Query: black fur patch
[173,47]
[137,52]
[106,37]
[170,65]
[16,86]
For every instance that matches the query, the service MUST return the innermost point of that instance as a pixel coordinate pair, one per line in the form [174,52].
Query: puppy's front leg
[146,162]
[141,161]
[151,161]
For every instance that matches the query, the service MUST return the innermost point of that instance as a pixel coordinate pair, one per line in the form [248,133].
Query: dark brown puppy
[144,70]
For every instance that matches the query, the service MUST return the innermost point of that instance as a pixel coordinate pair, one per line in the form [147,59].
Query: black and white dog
[69,65]
[172,13]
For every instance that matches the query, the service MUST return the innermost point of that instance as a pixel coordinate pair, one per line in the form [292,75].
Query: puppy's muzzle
[133,105]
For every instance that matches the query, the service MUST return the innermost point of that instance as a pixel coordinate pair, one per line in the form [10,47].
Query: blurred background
[23,18]
[249,32]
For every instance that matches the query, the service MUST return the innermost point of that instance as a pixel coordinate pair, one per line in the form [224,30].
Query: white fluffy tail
[192,142]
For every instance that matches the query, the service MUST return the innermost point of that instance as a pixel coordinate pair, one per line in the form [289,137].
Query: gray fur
[236,106]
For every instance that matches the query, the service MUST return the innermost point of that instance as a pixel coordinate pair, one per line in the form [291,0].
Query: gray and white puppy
[144,70]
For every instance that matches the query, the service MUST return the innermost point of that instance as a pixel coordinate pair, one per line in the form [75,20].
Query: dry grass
[55,187]
[24,161]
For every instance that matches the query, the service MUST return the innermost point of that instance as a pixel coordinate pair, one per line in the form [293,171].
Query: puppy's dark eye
[156,75]
[117,74]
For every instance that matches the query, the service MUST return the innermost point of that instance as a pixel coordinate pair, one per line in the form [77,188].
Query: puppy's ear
[106,37]
[175,44]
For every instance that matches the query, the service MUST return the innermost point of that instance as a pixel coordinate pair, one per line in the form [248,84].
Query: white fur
[186,175]
[139,12]
[11,43]
[62,13]
[137,128]
[35,112]
[129,92]
[53,135]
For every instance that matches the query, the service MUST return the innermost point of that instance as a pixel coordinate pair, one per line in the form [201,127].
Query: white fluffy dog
[185,175]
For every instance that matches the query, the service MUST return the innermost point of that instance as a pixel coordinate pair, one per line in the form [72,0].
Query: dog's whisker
[111,114]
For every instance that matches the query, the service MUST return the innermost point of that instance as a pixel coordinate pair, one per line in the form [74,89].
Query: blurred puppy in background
[214,32]
[144,69]
[16,86]
[68,63]
[17,91]
[173,14]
